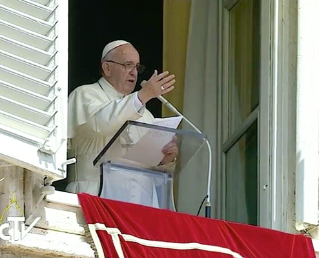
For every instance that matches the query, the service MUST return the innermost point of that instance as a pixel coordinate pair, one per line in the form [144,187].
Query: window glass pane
[241,178]
[244,61]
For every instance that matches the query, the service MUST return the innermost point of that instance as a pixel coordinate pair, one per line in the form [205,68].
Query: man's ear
[106,68]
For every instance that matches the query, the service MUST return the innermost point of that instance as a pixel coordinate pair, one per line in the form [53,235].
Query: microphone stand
[173,109]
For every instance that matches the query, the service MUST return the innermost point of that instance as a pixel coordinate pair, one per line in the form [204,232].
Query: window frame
[261,113]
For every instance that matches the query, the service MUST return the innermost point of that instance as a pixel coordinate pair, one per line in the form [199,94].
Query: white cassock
[96,112]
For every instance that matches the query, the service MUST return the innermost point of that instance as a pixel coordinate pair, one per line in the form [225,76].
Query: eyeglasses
[129,66]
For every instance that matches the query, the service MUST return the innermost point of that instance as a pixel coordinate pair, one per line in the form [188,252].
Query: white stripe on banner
[114,232]
[96,240]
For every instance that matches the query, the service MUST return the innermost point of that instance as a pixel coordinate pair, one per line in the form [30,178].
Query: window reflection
[241,178]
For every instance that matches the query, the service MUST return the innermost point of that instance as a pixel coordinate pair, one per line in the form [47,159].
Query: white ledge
[64,198]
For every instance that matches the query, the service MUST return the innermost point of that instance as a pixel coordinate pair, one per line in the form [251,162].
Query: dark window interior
[92,24]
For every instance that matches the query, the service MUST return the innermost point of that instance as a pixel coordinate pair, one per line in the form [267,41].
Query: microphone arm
[173,109]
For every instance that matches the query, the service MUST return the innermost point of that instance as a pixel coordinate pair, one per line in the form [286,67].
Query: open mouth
[132,81]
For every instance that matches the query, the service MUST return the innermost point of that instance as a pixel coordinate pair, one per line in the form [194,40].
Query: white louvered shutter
[34,84]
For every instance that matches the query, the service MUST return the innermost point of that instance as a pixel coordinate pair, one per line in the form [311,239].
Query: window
[240,91]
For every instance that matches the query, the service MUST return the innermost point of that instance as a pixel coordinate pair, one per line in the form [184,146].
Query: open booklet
[148,150]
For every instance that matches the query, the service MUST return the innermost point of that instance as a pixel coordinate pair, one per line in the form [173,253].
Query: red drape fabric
[164,225]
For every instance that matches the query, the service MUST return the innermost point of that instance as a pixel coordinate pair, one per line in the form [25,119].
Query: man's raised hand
[158,84]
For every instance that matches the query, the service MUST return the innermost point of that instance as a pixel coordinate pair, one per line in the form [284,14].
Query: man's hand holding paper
[170,151]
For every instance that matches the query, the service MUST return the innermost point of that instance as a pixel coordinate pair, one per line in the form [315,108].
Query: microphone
[174,110]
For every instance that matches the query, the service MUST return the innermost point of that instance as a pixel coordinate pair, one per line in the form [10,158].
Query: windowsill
[63,198]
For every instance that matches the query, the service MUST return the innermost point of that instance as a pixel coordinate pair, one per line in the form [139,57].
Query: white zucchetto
[110,46]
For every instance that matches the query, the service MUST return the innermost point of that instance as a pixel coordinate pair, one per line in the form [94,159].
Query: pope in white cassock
[97,111]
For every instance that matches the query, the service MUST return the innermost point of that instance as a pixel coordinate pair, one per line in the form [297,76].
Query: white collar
[107,87]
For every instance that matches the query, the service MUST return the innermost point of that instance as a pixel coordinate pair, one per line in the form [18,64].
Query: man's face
[122,80]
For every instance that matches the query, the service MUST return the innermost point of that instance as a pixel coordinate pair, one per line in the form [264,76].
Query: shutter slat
[24,81]
[24,21]
[25,36]
[21,135]
[25,112]
[30,128]
[25,51]
[29,7]
[25,97]
[24,66]
[43,2]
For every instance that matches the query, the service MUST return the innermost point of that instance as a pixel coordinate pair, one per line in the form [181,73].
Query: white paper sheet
[148,150]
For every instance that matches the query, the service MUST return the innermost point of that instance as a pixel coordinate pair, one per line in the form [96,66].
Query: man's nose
[134,71]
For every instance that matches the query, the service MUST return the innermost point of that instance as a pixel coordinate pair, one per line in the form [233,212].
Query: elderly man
[98,110]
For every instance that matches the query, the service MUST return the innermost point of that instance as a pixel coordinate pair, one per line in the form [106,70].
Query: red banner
[128,230]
